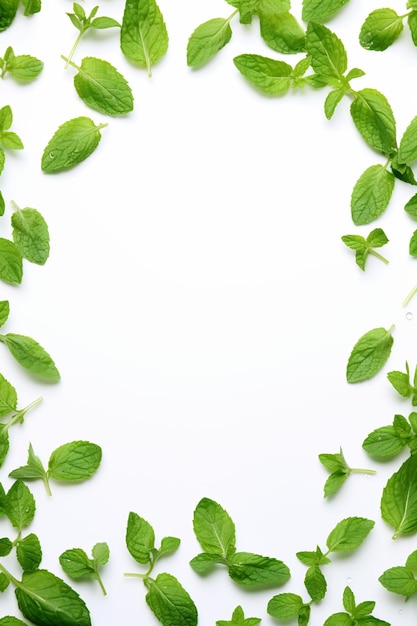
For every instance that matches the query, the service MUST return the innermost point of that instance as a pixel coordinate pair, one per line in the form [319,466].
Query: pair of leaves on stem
[21,67]
[363,247]
[356,614]
[216,533]
[77,565]
[31,241]
[346,536]
[339,471]
[167,599]
[9,140]
[28,352]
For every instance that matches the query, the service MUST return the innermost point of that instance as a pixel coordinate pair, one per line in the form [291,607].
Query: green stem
[19,415]
[100,582]
[410,295]
[69,62]
[74,47]
[47,485]
[358,470]
[10,576]
[378,256]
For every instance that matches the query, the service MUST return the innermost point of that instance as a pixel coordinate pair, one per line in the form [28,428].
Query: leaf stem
[74,47]
[378,256]
[410,295]
[100,582]
[360,470]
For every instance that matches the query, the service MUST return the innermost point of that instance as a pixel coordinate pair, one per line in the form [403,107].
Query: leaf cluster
[9,140]
[389,441]
[76,564]
[402,578]
[339,471]
[363,247]
[215,532]
[22,67]
[356,614]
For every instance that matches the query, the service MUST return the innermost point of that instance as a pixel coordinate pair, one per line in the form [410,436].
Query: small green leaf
[321,10]
[170,602]
[399,580]
[71,144]
[411,207]
[238,619]
[383,443]
[207,39]
[24,67]
[76,563]
[374,119]
[285,605]
[399,499]
[4,315]
[20,505]
[214,528]
[11,266]
[270,76]
[412,246]
[380,29]
[407,151]
[140,538]
[249,570]
[412,25]
[332,100]
[349,534]
[371,194]
[369,355]
[315,583]
[74,461]
[29,553]
[282,32]
[204,562]
[31,235]
[31,356]
[8,397]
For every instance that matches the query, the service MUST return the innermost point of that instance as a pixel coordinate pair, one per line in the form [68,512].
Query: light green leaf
[204,562]
[399,499]
[321,10]
[327,53]
[285,605]
[76,563]
[369,355]
[349,534]
[249,570]
[29,553]
[31,356]
[380,29]
[143,35]
[8,397]
[31,235]
[407,151]
[238,619]
[168,546]
[271,76]
[214,528]
[4,312]
[332,100]
[25,67]
[412,246]
[101,23]
[399,580]
[383,442]
[374,119]
[11,266]
[282,32]
[20,505]
[207,39]
[371,194]
[315,583]
[339,619]
[71,144]
[140,538]
[11,141]
[170,602]
[412,25]
[411,207]
[103,88]
[334,482]
[74,461]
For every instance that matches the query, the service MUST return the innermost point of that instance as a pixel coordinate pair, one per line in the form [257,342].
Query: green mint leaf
[31,356]
[380,29]
[412,246]
[204,562]
[327,53]
[4,313]
[412,25]
[168,546]
[31,235]
[20,505]
[24,67]
[411,561]
[207,39]
[349,534]
[248,8]
[74,461]
[304,615]
[71,144]
[29,553]
[332,100]
[249,569]
[8,397]
[407,151]
[100,553]
[6,546]
[2,205]
[321,10]
[377,238]
[399,580]
[270,76]
[364,247]
[11,266]
[6,117]
[411,207]
[285,605]
[371,194]
[4,442]
[143,35]
[31,7]
[2,159]
[101,23]
[383,443]
[282,32]
[401,382]
[338,619]
[312,558]
[363,609]
[32,471]
[102,87]
[369,355]
[333,462]
[238,619]
[374,119]
[349,602]
[402,171]
[399,499]
[334,482]
[43,598]
[315,583]
[11,141]
[8,9]
[76,563]
[170,602]
[214,528]
[11,621]
[140,538]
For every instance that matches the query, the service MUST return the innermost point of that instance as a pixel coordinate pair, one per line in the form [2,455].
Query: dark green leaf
[8,10]
[140,538]
[170,602]
[214,528]
[315,583]
[252,569]
[29,553]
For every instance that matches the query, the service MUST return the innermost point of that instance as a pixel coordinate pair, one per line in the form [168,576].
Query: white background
[201,308]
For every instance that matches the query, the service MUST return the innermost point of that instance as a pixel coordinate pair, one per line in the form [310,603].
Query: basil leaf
[282,32]
[380,29]
[103,88]
[327,53]
[45,599]
[140,538]
[270,76]
[321,10]
[143,35]
[4,312]
[399,580]
[20,505]
[170,602]
[8,9]
[8,397]
[11,266]
[214,528]
[71,144]
[284,605]
[74,461]
[31,356]
[31,235]
[399,499]
[349,534]
[369,355]
[249,570]
[374,119]
[371,194]
[29,553]
[207,39]
[407,151]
